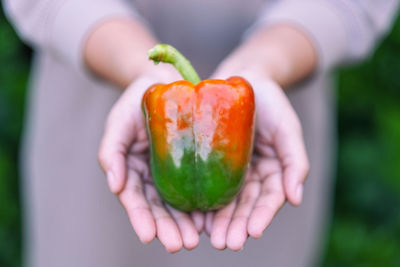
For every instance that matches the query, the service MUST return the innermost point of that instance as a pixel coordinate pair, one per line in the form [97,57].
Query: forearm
[117,50]
[281,52]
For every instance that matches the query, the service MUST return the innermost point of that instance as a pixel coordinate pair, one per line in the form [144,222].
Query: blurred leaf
[366,226]
[14,60]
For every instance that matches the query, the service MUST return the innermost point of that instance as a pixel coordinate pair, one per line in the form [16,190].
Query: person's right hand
[124,157]
[278,168]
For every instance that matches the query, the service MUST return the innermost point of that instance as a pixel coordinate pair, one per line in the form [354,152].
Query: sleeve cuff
[74,21]
[318,20]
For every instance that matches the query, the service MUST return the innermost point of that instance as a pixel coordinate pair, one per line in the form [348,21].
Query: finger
[139,147]
[292,153]
[140,166]
[271,199]
[237,232]
[264,150]
[166,228]
[133,200]
[142,135]
[220,226]
[189,233]
[209,222]
[112,161]
[198,218]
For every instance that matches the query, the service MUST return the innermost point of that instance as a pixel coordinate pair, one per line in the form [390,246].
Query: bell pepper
[201,135]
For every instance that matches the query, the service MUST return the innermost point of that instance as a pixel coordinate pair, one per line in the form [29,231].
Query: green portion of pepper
[201,185]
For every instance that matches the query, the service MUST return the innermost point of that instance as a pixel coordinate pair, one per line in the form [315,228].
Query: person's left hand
[277,172]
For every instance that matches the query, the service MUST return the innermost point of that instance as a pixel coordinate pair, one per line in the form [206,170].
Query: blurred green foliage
[14,67]
[366,224]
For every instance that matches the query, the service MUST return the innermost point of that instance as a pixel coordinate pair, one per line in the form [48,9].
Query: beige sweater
[343,30]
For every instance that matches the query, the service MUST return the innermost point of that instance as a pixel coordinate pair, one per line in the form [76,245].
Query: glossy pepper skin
[201,138]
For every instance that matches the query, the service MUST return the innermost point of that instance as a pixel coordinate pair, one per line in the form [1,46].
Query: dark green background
[366,225]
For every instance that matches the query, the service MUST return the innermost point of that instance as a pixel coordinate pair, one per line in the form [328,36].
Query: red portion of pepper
[217,114]
[223,118]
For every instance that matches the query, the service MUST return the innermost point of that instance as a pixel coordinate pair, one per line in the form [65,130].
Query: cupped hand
[277,171]
[124,156]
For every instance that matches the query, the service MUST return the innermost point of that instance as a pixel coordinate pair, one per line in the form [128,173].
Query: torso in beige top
[71,217]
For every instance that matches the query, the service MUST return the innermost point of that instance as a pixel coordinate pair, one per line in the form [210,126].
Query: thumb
[112,157]
[293,156]
[119,135]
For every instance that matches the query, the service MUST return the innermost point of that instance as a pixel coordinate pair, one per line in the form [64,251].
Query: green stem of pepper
[169,54]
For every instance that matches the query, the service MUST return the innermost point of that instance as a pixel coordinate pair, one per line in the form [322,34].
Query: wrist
[116,50]
[282,53]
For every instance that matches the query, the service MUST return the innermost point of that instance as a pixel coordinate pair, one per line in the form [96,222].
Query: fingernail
[111,180]
[299,192]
